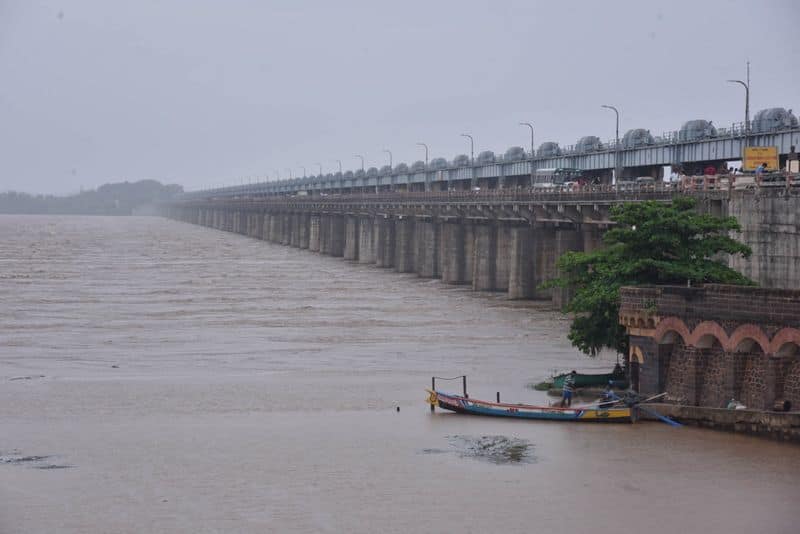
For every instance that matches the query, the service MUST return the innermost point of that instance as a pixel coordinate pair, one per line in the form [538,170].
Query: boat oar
[657,415]
[652,412]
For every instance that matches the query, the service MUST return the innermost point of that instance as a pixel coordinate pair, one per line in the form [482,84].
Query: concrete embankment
[781,426]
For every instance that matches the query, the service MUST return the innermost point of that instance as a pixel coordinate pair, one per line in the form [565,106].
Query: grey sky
[205,93]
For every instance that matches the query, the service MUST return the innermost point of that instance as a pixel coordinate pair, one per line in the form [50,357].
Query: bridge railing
[589,193]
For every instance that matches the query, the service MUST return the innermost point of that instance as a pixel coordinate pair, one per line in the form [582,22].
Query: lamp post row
[617,169]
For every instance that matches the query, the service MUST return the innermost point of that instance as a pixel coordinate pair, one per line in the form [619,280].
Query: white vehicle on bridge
[555,177]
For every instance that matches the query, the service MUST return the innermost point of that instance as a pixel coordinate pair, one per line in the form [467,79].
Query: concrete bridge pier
[337,236]
[404,245]
[286,228]
[454,265]
[544,257]
[325,234]
[274,228]
[427,237]
[264,227]
[521,276]
[352,228]
[384,242]
[485,257]
[314,223]
[366,240]
[303,225]
[566,240]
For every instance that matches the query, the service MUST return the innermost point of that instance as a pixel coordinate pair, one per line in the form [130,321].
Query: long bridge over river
[497,240]
[640,157]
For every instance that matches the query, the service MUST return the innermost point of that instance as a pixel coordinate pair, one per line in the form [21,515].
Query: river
[161,377]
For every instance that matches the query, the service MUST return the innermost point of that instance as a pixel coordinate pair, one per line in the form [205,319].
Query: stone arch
[753,385]
[745,336]
[637,354]
[706,333]
[670,329]
[786,341]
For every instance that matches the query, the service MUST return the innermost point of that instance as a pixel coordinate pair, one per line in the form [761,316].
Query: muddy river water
[162,377]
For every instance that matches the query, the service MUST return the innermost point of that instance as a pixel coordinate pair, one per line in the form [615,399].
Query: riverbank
[780,426]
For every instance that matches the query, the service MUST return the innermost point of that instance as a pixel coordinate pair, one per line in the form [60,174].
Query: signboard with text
[756,155]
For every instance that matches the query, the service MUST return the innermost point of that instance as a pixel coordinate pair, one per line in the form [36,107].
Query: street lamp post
[617,170]
[746,86]
[427,181]
[471,148]
[290,173]
[390,156]
[304,171]
[533,153]
[471,159]
[361,158]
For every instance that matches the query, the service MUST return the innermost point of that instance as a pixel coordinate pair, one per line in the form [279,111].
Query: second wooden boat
[466,405]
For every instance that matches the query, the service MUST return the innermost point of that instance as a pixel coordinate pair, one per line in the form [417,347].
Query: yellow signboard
[756,155]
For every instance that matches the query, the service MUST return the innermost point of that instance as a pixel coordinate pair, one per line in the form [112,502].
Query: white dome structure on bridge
[771,119]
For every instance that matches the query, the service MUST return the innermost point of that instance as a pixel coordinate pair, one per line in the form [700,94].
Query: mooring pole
[433,387]
[498,397]
[464,379]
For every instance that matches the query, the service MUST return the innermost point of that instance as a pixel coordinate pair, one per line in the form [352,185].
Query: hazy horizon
[205,93]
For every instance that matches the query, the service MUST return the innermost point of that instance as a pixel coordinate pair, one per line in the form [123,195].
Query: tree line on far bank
[124,198]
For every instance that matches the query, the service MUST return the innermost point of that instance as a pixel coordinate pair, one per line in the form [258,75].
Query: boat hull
[466,405]
[582,380]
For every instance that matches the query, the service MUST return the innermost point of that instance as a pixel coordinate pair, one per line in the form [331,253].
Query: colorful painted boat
[459,404]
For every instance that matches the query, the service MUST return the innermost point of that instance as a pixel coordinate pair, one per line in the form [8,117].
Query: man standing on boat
[568,389]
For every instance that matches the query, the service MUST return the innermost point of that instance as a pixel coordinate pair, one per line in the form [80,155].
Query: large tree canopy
[653,243]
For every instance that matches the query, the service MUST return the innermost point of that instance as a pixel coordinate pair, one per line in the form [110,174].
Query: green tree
[653,243]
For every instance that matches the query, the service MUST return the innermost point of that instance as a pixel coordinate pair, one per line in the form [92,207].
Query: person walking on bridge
[568,389]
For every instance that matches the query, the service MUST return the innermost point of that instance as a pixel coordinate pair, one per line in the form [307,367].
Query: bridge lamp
[617,171]
[471,148]
[361,158]
[746,107]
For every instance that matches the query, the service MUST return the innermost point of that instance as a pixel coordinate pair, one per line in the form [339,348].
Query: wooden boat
[459,404]
[588,380]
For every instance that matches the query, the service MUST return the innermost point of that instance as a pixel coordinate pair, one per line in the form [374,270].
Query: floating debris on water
[13,459]
[33,461]
[495,449]
[53,466]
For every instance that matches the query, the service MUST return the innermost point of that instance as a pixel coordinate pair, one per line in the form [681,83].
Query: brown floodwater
[161,377]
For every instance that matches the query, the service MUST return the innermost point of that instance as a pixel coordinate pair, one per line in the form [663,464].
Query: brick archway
[671,324]
[783,337]
[705,330]
[751,332]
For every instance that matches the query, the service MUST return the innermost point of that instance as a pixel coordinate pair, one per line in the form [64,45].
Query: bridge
[504,240]
[517,166]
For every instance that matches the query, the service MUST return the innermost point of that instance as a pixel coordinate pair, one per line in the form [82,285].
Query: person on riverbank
[568,389]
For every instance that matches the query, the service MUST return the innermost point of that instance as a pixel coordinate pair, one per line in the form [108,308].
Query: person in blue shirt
[760,172]
[568,390]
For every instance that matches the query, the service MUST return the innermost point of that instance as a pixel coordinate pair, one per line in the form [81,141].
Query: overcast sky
[205,93]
